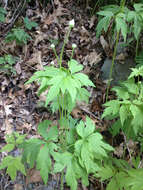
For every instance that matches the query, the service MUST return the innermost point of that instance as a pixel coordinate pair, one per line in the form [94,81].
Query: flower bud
[52,46]
[71,23]
[74,46]
[52,62]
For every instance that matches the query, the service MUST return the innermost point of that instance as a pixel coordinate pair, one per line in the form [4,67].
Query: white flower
[52,46]
[74,46]
[52,63]
[71,23]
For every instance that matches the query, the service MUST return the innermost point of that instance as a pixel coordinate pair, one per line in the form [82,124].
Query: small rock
[120,71]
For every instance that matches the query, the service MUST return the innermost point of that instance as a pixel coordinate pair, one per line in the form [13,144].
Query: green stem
[112,65]
[59,106]
[92,12]
[72,54]
[62,180]
[62,51]
[137,45]
[122,5]
[56,55]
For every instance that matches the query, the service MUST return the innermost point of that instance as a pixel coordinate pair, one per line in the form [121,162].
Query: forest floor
[20,107]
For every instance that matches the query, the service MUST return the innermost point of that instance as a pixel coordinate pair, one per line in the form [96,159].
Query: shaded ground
[21,109]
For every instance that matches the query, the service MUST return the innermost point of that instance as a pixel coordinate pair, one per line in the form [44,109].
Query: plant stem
[122,5]
[62,51]
[112,65]
[72,54]
[137,45]
[62,180]
[56,55]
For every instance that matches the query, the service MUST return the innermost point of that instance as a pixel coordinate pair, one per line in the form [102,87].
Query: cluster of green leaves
[2,14]
[63,83]
[136,18]
[18,35]
[120,175]
[13,164]
[86,149]
[6,63]
[128,106]
[29,24]
[121,18]
[113,14]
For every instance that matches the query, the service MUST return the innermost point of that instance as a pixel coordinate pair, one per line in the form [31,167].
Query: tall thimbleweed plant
[74,149]
[113,15]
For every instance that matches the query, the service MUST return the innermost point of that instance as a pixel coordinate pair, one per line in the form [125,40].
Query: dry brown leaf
[8,111]
[53,18]
[92,58]
[36,59]
[105,46]
[18,68]
[121,57]
[91,22]
[39,37]
[33,176]
[76,113]
[18,187]
[8,127]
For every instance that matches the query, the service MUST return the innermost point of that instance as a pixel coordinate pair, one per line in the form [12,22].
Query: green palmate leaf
[112,8]
[71,177]
[53,133]
[106,172]
[131,15]
[86,156]
[44,85]
[83,95]
[123,113]
[43,128]
[102,24]
[44,163]
[96,140]
[2,14]
[83,79]
[138,7]
[105,13]
[90,146]
[115,129]
[137,121]
[118,182]
[113,107]
[19,35]
[121,92]
[29,24]
[121,25]
[53,92]
[73,170]
[134,181]
[136,72]
[2,60]
[137,27]
[85,131]
[131,86]
[31,150]
[113,185]
[13,165]
[71,86]
[48,72]
[74,66]
[8,148]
